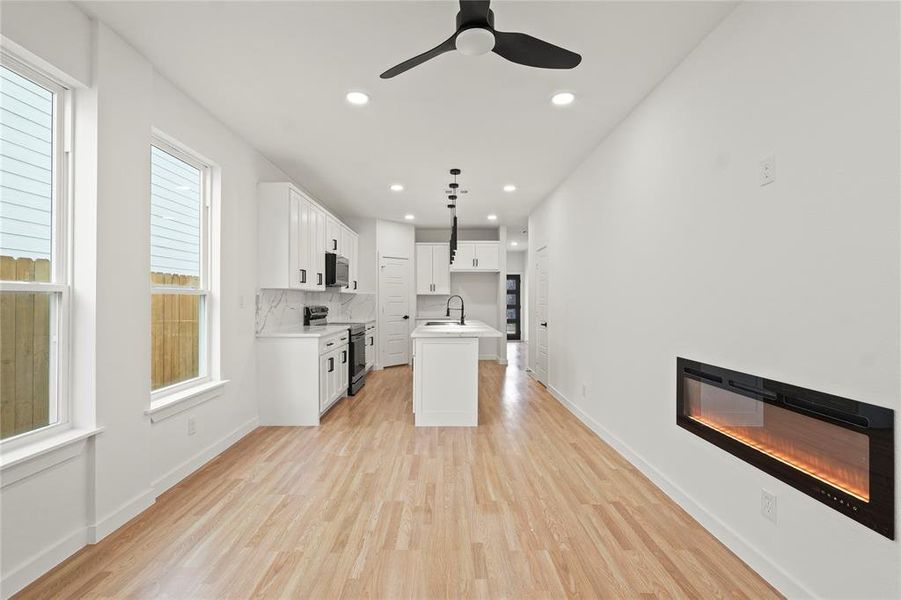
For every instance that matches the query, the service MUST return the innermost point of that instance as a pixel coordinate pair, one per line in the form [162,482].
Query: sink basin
[432,323]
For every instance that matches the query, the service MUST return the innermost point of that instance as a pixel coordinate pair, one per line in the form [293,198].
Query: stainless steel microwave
[337,270]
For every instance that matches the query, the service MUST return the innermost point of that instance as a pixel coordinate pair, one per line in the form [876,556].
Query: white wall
[51,514]
[662,244]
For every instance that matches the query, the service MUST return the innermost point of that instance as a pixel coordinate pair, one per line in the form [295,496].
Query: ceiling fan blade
[445,46]
[532,52]
[473,11]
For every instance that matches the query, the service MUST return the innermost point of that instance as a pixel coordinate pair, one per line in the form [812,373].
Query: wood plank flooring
[530,504]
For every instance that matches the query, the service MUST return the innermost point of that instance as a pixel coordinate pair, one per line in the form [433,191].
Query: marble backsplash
[277,309]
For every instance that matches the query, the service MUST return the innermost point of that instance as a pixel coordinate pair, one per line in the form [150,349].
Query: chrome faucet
[462,310]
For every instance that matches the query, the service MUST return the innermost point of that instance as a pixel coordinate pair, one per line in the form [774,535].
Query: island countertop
[472,329]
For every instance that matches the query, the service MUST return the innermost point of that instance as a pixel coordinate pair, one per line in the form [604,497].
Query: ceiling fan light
[475,41]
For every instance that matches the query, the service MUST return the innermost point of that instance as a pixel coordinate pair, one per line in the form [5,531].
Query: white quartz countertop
[304,331]
[471,329]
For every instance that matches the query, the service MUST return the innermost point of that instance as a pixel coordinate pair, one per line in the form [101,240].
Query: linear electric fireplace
[837,450]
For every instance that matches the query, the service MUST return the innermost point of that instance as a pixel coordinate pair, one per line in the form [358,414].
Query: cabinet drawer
[333,342]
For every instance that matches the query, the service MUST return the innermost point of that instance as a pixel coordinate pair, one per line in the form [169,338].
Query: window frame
[58,288]
[204,352]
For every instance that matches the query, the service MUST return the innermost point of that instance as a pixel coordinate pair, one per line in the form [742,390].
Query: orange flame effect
[832,477]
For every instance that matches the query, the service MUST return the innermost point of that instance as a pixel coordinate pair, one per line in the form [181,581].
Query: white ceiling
[277,74]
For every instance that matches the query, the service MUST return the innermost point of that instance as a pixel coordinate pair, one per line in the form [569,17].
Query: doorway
[514,307]
[394,313]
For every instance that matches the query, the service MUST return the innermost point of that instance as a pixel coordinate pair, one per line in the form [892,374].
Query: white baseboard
[487,356]
[763,566]
[42,562]
[201,458]
[120,516]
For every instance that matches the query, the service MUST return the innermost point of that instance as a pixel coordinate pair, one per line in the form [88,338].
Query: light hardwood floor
[530,504]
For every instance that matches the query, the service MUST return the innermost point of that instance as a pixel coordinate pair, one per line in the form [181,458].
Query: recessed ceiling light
[492,217]
[409,217]
[514,243]
[509,188]
[563,98]
[358,98]
[396,187]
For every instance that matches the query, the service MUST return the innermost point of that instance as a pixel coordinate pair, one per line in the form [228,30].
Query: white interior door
[394,322]
[541,302]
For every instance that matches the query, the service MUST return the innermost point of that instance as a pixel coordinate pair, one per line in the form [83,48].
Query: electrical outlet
[192,426]
[768,170]
[768,505]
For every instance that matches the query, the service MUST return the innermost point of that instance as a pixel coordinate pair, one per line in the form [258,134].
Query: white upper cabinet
[294,234]
[477,256]
[333,230]
[432,269]
[348,245]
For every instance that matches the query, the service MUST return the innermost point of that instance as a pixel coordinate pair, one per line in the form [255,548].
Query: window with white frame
[34,160]
[179,269]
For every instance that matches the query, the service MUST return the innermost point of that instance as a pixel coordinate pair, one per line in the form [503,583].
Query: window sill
[30,459]
[180,401]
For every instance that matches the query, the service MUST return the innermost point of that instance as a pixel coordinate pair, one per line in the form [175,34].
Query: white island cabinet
[446,372]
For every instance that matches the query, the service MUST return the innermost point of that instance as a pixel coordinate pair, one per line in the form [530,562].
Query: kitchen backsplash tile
[277,309]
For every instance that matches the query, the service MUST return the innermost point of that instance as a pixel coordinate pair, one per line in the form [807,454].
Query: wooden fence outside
[175,332]
[24,349]
[25,342]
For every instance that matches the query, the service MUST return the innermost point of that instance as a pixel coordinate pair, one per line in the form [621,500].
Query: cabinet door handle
[303,275]
[319,281]
[355,284]
[330,344]
[334,244]
[331,365]
[343,357]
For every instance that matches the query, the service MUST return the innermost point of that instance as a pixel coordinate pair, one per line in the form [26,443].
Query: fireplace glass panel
[834,455]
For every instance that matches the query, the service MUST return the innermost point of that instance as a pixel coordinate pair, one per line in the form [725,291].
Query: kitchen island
[446,372]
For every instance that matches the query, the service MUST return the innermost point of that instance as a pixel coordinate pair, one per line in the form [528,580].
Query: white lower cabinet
[372,344]
[301,377]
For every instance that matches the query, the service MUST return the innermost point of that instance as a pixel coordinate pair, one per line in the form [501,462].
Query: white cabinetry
[477,256]
[333,239]
[333,373]
[432,269]
[301,377]
[348,245]
[294,234]
[372,343]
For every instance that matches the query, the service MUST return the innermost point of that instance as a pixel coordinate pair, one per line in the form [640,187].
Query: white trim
[41,562]
[61,236]
[754,558]
[38,456]
[120,516]
[176,402]
[184,469]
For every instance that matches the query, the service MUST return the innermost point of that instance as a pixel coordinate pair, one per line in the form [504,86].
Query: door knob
[406,317]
